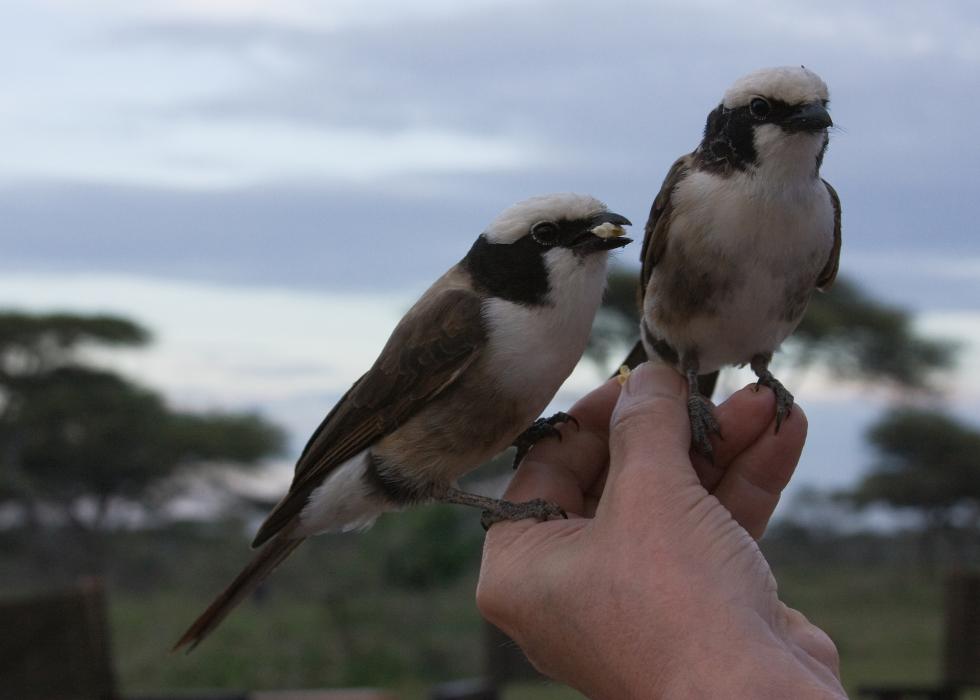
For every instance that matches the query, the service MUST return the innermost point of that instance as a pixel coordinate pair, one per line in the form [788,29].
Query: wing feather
[431,347]
[829,272]
[658,224]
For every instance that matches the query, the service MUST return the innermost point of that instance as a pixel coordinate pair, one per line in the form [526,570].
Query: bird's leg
[496,509]
[540,429]
[784,399]
[699,408]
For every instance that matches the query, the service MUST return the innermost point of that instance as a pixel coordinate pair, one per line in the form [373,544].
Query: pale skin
[655,587]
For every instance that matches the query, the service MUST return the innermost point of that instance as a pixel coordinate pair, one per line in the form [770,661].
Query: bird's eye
[759,107]
[545,233]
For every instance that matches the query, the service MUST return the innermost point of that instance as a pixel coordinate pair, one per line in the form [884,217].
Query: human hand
[654,586]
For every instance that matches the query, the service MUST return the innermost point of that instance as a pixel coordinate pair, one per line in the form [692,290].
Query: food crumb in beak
[608,230]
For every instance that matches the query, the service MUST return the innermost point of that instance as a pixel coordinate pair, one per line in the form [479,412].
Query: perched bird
[468,368]
[740,235]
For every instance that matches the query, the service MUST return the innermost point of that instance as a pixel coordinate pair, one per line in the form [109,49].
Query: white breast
[533,349]
[772,239]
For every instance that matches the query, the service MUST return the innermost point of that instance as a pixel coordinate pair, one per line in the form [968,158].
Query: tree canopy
[860,337]
[925,460]
[31,343]
[72,434]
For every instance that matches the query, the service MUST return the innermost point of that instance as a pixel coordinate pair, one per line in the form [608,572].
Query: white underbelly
[751,322]
[342,502]
[761,252]
[751,314]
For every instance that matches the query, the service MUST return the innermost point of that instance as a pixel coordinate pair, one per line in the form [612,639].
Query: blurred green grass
[885,621]
[394,608]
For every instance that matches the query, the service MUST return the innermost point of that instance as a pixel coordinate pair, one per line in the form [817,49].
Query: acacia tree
[927,462]
[860,337]
[76,439]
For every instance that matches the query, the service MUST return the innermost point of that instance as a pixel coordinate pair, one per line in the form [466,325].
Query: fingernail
[649,379]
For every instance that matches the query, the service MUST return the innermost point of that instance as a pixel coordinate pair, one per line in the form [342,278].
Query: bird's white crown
[792,84]
[514,222]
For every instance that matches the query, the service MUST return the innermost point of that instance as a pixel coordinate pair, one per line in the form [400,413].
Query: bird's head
[537,244]
[774,119]
[574,223]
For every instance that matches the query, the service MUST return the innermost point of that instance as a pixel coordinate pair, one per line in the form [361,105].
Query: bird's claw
[703,424]
[540,429]
[784,399]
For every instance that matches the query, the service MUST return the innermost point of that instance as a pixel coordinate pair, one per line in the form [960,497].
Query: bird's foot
[495,509]
[784,399]
[540,429]
[507,510]
[703,423]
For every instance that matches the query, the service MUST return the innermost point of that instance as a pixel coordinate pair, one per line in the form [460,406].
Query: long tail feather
[263,564]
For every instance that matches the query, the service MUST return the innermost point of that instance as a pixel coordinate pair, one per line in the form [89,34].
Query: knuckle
[650,425]
[644,416]
[769,478]
[830,653]
[488,600]
[799,417]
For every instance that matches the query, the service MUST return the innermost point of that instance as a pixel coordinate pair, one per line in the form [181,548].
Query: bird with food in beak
[468,368]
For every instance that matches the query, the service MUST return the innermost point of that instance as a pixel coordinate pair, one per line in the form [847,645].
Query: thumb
[650,432]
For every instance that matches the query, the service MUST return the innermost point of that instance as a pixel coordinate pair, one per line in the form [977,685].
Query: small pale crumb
[624,374]
[608,230]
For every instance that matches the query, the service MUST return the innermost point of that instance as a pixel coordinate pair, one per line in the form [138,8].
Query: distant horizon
[275,351]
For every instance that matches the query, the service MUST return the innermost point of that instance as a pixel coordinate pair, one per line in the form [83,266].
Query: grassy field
[886,623]
[394,607]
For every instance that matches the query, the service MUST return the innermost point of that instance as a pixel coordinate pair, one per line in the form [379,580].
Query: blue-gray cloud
[615,94]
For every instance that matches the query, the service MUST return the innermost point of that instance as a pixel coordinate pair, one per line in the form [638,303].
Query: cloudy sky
[268,185]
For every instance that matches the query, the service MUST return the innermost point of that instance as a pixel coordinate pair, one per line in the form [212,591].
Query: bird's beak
[605,232]
[812,116]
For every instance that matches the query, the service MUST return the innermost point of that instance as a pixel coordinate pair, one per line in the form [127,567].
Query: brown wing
[829,272]
[655,238]
[432,345]
[654,247]
[655,241]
